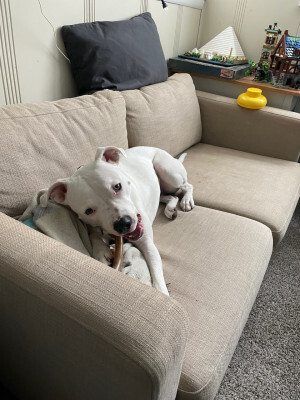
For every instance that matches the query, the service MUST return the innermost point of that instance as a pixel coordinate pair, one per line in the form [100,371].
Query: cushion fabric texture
[164,115]
[116,55]
[43,142]
[262,188]
[74,329]
[215,270]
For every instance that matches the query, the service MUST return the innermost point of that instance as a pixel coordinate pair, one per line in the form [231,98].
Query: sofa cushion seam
[58,112]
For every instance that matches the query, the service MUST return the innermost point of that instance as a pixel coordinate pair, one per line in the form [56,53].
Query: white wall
[31,67]
[249,18]
[32,70]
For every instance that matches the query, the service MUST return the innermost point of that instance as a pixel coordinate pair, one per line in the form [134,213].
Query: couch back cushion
[115,55]
[165,115]
[40,143]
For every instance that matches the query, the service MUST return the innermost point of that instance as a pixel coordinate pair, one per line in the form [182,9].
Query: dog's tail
[182,157]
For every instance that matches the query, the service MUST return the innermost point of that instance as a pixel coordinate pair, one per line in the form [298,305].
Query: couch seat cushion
[40,143]
[165,115]
[215,263]
[262,188]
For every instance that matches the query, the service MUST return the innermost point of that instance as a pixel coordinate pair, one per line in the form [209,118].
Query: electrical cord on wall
[54,33]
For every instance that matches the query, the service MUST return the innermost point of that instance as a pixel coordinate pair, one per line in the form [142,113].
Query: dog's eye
[89,211]
[117,187]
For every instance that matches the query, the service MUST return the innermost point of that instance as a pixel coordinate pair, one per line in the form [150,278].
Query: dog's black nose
[123,225]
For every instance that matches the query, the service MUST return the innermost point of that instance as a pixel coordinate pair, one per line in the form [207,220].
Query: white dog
[120,192]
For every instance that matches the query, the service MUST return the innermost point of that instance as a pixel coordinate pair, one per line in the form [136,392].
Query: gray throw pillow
[116,55]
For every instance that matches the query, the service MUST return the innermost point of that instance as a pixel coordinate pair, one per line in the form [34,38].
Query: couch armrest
[270,131]
[72,328]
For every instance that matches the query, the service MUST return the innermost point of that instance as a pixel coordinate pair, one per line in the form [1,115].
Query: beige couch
[71,327]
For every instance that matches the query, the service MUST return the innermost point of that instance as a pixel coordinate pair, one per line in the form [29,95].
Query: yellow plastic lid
[252,99]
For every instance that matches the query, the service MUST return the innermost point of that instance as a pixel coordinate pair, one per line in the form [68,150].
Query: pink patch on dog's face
[138,232]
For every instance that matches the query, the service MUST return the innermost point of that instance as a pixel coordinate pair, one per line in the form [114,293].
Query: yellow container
[252,99]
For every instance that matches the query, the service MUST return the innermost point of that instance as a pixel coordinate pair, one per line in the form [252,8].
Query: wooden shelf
[248,82]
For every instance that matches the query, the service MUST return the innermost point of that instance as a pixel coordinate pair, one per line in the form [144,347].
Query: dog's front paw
[101,250]
[171,203]
[105,257]
[170,212]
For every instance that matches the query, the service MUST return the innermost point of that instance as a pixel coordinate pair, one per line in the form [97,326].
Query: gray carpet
[266,363]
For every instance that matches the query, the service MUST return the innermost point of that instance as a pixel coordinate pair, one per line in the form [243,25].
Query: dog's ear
[57,192]
[109,154]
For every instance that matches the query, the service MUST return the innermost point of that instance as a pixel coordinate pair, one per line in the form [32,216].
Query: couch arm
[72,328]
[270,131]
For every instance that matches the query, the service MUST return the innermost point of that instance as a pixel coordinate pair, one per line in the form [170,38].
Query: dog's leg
[147,247]
[173,178]
[187,201]
[171,203]
[154,262]
[135,264]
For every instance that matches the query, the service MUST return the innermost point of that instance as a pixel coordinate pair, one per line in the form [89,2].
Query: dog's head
[99,193]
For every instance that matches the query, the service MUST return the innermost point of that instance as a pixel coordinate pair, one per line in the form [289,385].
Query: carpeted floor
[266,363]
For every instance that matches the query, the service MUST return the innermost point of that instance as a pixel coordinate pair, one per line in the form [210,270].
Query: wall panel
[115,10]
[33,70]
[44,74]
[166,25]
[189,29]
[8,66]
[2,97]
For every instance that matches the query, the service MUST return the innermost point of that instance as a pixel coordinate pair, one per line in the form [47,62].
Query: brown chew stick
[118,256]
